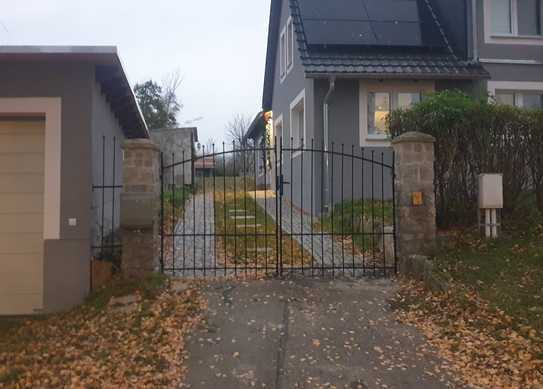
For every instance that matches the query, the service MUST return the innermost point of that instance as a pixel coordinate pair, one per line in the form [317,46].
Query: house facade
[507,40]
[334,72]
[177,145]
[64,111]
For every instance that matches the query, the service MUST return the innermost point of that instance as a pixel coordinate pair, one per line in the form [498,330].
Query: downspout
[326,139]
[475,32]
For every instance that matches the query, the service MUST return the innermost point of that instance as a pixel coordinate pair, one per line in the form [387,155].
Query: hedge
[474,137]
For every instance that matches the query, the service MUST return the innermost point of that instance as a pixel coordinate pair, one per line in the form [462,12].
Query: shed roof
[109,72]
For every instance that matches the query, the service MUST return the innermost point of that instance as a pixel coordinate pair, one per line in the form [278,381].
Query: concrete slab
[308,334]
[245,217]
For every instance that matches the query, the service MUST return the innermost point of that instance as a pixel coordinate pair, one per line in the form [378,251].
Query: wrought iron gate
[298,208]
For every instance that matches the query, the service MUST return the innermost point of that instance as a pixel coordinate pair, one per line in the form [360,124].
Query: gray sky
[218,46]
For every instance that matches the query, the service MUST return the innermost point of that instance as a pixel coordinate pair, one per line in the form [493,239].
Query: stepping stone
[249,225]
[260,249]
[242,217]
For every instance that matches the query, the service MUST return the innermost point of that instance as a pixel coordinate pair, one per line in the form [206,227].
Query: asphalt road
[308,334]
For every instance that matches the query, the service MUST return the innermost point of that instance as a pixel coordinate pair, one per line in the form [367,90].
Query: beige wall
[22,172]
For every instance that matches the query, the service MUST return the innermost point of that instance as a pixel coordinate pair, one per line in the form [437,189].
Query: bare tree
[170,86]
[236,129]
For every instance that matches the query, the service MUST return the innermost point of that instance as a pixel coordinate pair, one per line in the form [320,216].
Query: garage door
[21,215]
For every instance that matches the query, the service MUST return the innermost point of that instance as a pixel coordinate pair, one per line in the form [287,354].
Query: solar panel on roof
[333,9]
[369,22]
[397,34]
[334,32]
[392,10]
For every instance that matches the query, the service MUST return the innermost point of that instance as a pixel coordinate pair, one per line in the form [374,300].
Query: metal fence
[306,210]
[106,242]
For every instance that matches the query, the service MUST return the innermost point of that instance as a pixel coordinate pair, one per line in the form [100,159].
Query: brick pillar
[140,207]
[415,195]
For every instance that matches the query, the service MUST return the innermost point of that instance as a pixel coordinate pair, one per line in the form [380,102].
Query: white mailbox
[490,191]
[490,200]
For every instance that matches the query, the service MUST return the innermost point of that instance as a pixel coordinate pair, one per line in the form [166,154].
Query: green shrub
[474,137]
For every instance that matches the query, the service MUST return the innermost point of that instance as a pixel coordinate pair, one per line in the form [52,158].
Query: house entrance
[288,209]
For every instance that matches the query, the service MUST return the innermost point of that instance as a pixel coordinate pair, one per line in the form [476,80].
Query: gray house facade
[507,38]
[59,106]
[335,70]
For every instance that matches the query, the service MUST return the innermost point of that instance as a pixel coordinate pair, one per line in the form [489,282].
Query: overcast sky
[218,46]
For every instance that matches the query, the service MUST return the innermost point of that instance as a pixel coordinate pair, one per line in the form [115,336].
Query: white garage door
[21,215]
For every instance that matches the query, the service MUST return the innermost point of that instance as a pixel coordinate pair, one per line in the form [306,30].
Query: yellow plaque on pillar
[417,199]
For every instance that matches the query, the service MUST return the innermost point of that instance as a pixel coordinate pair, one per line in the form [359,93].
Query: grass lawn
[101,344]
[254,240]
[488,325]
[358,219]
[507,272]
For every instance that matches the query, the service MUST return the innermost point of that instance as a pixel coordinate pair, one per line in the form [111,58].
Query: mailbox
[490,201]
[490,191]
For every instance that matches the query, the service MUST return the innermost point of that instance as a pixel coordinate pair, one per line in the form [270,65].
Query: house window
[531,100]
[378,110]
[381,103]
[517,17]
[297,120]
[286,48]
[282,54]
[407,100]
[290,45]
[501,17]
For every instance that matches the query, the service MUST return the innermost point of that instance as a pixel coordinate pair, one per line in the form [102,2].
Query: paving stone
[242,217]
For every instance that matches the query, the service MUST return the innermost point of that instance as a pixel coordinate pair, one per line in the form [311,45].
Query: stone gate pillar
[415,194]
[140,207]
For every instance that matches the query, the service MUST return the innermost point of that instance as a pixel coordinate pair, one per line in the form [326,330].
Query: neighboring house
[58,107]
[177,145]
[204,167]
[334,71]
[508,41]
[257,134]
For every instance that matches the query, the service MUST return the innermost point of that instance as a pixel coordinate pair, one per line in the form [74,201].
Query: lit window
[378,111]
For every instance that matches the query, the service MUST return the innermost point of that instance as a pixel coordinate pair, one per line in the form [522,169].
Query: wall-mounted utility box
[490,191]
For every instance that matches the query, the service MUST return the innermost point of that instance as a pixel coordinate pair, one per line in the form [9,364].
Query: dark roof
[109,73]
[257,127]
[417,47]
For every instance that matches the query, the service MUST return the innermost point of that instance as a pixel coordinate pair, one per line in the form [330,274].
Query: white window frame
[282,54]
[290,45]
[293,105]
[515,87]
[513,38]
[392,87]
[286,53]
[276,123]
